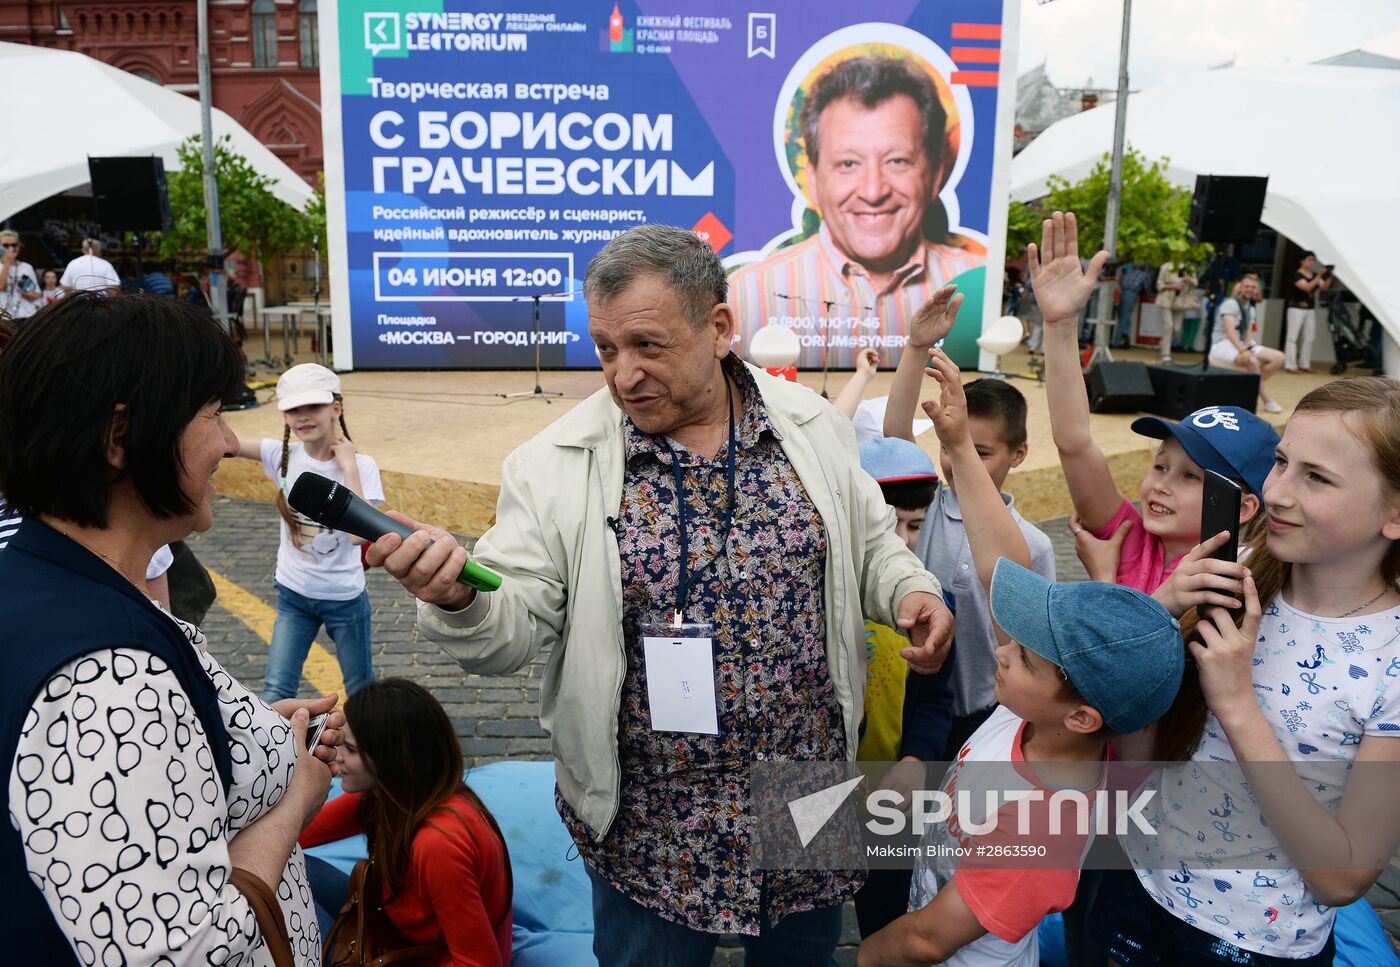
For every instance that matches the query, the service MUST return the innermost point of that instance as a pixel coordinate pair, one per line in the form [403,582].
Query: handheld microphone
[335,506]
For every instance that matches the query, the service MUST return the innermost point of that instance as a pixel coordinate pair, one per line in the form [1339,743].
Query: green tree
[1022,228]
[252,220]
[1153,219]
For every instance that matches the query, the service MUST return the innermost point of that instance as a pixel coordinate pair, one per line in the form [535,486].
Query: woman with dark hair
[50,291]
[143,781]
[437,848]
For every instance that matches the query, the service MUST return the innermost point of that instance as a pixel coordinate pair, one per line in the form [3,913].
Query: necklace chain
[115,565]
[1366,605]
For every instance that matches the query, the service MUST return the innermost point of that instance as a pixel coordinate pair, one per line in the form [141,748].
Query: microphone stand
[827,305]
[538,393]
[322,330]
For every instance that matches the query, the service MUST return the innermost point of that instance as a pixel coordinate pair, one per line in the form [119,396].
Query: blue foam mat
[553,896]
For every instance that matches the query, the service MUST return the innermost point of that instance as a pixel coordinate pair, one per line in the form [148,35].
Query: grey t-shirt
[1231,307]
[943,549]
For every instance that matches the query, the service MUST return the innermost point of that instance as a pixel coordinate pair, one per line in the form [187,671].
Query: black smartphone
[1220,511]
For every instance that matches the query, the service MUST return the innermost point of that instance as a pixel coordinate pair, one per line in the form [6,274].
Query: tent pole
[1104,322]
[218,300]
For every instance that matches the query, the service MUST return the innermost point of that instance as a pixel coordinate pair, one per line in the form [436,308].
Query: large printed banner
[842,158]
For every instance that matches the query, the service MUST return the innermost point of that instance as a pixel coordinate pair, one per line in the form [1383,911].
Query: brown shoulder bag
[269,915]
[364,936]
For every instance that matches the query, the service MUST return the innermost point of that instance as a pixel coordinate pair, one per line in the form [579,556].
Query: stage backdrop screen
[844,159]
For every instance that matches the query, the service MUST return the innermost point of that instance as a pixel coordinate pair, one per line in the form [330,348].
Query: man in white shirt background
[90,272]
[19,287]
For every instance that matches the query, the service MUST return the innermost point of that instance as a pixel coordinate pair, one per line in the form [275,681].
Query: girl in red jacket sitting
[445,866]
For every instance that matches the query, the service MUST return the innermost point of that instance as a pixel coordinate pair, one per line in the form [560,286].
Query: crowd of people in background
[25,289]
[1190,303]
[843,597]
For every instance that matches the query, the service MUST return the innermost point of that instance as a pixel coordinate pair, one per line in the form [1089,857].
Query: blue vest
[59,602]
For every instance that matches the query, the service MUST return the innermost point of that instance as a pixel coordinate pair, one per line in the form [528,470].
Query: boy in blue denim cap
[1083,662]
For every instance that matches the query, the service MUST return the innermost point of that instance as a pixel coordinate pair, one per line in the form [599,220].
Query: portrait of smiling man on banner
[873,138]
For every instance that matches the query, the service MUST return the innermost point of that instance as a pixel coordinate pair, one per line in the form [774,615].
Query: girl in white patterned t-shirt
[1250,859]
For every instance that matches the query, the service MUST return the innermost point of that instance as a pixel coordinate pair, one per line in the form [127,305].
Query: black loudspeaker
[130,194]
[1184,389]
[1118,387]
[1226,208]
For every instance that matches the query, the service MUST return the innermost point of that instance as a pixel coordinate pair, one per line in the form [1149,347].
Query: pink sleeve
[1132,568]
[1011,903]
[1126,510]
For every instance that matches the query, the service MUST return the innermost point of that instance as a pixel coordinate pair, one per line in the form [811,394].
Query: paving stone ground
[495,716]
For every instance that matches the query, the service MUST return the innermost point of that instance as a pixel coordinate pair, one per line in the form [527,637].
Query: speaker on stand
[130,195]
[1225,209]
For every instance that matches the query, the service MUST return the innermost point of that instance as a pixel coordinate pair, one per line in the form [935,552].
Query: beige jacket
[562,575]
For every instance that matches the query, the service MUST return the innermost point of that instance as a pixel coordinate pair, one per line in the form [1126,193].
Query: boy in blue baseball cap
[1229,440]
[1080,663]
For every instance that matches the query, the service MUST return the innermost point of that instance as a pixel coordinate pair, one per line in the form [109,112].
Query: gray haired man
[698,499]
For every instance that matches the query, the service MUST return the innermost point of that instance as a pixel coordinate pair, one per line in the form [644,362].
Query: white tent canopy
[92,108]
[1326,137]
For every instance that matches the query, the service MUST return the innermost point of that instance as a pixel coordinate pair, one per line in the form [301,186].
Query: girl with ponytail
[319,580]
[1290,719]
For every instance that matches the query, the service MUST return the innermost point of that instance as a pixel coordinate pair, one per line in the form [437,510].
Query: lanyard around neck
[684,579]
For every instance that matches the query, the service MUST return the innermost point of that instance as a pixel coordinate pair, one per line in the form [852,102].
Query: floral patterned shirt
[681,844]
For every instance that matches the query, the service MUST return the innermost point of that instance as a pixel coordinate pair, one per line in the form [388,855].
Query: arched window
[264,33]
[308,47]
[146,75]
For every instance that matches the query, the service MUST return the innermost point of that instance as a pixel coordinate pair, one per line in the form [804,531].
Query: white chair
[1003,336]
[774,347]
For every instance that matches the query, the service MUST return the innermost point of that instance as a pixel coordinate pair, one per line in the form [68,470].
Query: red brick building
[263,57]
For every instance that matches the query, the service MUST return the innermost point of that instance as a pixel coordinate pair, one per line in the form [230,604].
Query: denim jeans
[626,934]
[1127,309]
[298,620]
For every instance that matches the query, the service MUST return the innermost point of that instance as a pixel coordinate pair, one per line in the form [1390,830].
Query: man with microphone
[699,548]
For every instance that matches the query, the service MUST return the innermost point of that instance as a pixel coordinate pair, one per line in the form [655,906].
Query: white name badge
[680,666]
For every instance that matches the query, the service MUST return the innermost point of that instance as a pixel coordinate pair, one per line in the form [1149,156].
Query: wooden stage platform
[440,437]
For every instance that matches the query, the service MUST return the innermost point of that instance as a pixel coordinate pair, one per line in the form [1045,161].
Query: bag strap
[371,900]
[408,953]
[269,915]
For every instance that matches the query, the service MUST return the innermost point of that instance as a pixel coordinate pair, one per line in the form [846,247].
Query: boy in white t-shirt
[1082,662]
[320,579]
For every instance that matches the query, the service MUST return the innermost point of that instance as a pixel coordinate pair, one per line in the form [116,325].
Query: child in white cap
[319,580]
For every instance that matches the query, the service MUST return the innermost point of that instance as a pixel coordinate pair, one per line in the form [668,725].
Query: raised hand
[935,318]
[949,411]
[1062,288]
[868,362]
